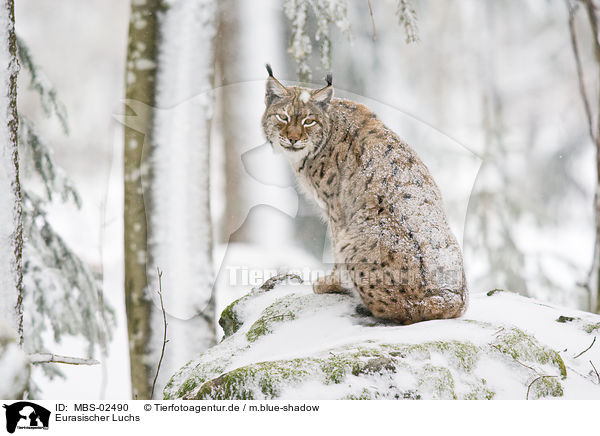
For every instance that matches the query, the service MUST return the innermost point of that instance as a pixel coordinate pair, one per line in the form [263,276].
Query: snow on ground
[289,343]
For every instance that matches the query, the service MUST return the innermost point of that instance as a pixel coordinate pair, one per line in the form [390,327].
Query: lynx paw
[329,284]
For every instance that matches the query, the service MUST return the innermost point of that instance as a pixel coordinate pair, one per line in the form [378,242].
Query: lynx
[391,239]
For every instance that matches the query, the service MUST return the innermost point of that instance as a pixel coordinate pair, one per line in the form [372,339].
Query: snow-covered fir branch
[300,13]
[325,12]
[61,294]
[36,358]
[407,17]
[43,87]
[37,155]
[300,45]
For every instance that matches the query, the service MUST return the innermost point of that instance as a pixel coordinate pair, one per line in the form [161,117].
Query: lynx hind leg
[387,288]
[335,283]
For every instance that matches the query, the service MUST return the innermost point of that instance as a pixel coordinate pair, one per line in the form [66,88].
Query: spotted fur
[392,242]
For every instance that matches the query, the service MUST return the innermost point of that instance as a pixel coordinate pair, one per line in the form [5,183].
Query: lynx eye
[282,117]
[309,122]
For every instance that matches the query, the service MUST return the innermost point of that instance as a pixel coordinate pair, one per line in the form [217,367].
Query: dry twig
[596,371]
[575,357]
[165,340]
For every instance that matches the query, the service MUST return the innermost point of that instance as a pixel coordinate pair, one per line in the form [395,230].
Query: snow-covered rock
[288,343]
[14,365]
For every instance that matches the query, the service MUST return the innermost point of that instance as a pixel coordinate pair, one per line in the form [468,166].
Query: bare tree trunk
[140,90]
[11,225]
[593,11]
[232,119]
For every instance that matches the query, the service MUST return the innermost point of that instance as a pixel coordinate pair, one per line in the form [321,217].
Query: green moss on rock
[544,386]
[590,328]
[230,320]
[187,386]
[257,381]
[563,319]
[525,349]
[285,309]
[264,325]
[372,361]
[343,366]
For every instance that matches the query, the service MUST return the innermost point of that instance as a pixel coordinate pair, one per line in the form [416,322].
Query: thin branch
[586,348]
[372,21]
[596,371]
[165,340]
[581,80]
[536,379]
[36,358]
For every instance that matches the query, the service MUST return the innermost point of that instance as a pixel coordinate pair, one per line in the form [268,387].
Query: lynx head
[296,120]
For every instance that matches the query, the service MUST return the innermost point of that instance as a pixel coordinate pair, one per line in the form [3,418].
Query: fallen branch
[36,358]
[586,348]
[165,340]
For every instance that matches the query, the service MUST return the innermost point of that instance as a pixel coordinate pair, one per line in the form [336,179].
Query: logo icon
[26,415]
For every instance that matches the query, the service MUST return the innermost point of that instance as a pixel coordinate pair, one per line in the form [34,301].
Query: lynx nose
[294,135]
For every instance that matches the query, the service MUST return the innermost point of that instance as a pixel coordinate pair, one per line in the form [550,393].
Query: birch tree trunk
[180,231]
[11,227]
[140,93]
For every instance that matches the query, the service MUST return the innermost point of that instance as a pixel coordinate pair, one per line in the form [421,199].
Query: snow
[327,325]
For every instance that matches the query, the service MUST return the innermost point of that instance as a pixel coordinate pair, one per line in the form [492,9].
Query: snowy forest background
[487,92]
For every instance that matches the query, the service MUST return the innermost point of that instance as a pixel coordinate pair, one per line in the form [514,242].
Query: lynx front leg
[334,283]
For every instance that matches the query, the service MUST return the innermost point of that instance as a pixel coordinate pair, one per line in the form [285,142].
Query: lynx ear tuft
[275,90]
[324,95]
[328,78]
